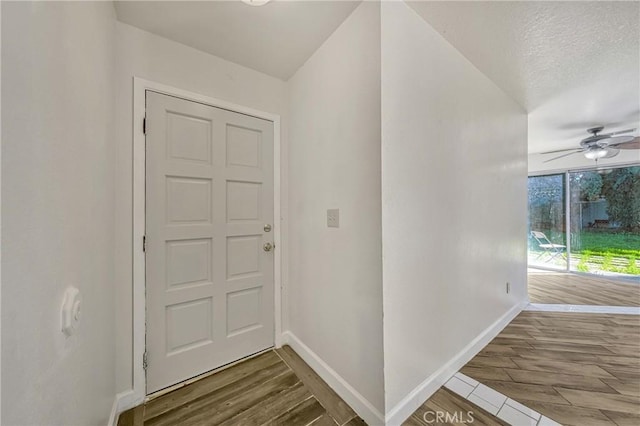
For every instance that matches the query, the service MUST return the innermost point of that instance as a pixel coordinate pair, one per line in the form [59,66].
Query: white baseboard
[113,416]
[122,402]
[359,403]
[431,384]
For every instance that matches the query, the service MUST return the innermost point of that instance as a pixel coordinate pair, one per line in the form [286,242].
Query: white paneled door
[209,221]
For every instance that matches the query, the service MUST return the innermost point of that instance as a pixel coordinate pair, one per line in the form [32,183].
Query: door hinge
[144,125]
[144,243]
[145,360]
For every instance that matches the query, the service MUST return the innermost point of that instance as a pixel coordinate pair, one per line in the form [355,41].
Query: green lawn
[599,250]
[601,242]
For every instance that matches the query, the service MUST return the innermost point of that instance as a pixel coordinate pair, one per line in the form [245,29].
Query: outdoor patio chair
[548,247]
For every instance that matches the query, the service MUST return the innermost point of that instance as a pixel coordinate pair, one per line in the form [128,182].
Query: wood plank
[491,361]
[514,343]
[558,355]
[225,403]
[599,400]
[568,415]
[629,387]
[485,373]
[577,289]
[414,420]
[334,405]
[568,380]
[324,420]
[624,350]
[520,334]
[180,409]
[614,334]
[620,360]
[522,392]
[571,342]
[267,407]
[558,345]
[590,370]
[302,414]
[629,320]
[356,421]
[621,372]
[622,419]
[132,417]
[500,350]
[221,379]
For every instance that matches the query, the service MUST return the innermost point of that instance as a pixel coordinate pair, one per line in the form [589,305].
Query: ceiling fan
[600,145]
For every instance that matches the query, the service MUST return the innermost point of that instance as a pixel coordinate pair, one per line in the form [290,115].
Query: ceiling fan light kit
[595,153]
[598,145]
[256,2]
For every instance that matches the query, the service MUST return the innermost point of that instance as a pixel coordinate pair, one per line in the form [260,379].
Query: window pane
[547,247]
[605,221]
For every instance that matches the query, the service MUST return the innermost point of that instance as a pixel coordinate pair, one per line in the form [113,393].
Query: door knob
[268,246]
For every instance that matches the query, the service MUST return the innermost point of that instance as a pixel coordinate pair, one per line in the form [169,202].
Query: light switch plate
[333,218]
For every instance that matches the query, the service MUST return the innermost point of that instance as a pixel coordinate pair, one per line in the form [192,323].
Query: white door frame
[140,86]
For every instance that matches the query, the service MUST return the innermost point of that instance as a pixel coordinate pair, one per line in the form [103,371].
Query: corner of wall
[409,404]
[334,162]
[348,393]
[122,402]
[454,212]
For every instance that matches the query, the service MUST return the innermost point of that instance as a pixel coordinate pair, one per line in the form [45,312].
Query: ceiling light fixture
[595,153]
[256,2]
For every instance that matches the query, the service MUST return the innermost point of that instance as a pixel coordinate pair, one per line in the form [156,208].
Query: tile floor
[506,409]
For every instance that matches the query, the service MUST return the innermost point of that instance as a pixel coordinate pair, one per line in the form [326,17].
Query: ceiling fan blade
[620,132]
[632,144]
[564,155]
[559,150]
[615,140]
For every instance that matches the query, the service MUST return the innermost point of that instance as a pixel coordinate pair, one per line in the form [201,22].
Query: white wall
[452,199]
[148,56]
[454,191]
[335,282]
[57,211]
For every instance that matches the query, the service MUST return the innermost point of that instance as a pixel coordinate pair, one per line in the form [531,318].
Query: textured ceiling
[571,65]
[276,38]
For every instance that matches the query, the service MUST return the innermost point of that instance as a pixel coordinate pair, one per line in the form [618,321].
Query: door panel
[209,193]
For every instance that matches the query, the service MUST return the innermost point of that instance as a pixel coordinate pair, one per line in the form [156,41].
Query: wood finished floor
[577,369]
[576,289]
[274,388]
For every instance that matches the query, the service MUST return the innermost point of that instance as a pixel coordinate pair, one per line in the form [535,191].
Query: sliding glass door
[605,221]
[602,233]
[547,243]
